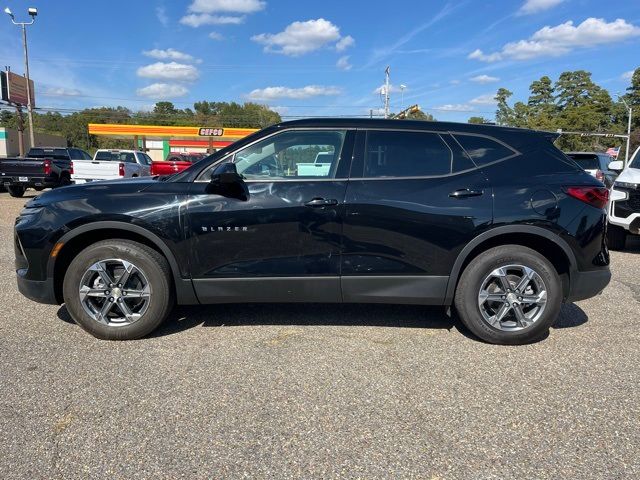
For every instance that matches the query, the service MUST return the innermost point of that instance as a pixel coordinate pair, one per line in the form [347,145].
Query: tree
[504,113]
[541,104]
[478,120]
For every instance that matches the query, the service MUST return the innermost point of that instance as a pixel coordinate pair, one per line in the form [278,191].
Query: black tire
[16,190]
[38,189]
[467,294]
[156,270]
[65,180]
[616,237]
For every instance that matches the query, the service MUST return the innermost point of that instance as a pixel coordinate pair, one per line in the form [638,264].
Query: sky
[317,58]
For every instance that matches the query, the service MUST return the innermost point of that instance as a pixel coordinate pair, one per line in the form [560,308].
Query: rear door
[414,200]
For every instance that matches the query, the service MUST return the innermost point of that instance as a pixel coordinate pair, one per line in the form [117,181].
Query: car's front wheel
[616,237]
[509,295]
[118,289]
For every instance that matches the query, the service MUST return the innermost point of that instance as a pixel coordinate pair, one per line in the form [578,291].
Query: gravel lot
[277,391]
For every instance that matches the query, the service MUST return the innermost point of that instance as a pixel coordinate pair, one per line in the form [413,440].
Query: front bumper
[588,284]
[40,291]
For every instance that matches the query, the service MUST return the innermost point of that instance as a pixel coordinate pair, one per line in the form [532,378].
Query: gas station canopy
[160,140]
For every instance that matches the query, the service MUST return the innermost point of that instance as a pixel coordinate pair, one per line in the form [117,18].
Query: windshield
[114,156]
[55,153]
[586,161]
[636,160]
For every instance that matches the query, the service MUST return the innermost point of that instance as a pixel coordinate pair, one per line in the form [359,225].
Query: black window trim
[506,145]
[444,140]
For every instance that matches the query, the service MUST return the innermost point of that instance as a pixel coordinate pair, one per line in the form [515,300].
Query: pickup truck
[43,167]
[111,165]
[176,162]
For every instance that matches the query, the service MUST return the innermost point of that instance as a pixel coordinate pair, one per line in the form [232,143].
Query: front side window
[292,154]
[483,150]
[406,154]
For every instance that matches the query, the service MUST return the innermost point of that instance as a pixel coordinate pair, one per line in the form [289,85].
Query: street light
[402,87]
[33,12]
[626,153]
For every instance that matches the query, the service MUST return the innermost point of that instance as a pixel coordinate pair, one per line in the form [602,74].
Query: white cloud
[344,43]
[561,39]
[170,54]
[216,36]
[204,12]
[161,15]
[454,82]
[300,38]
[273,93]
[169,71]
[162,91]
[535,6]
[454,107]
[627,75]
[279,109]
[486,99]
[482,79]
[196,20]
[61,92]
[233,6]
[392,89]
[343,63]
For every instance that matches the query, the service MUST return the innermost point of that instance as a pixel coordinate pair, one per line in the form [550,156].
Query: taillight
[594,196]
[600,175]
[47,167]
[71,169]
[121,169]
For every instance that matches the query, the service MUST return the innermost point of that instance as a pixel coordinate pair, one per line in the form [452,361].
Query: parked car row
[51,167]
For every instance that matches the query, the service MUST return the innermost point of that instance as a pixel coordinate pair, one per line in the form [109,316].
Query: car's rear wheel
[509,295]
[616,237]
[16,190]
[118,289]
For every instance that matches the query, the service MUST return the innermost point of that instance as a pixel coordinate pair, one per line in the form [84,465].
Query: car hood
[629,175]
[84,190]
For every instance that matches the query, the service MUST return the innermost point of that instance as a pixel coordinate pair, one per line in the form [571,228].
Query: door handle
[321,202]
[465,193]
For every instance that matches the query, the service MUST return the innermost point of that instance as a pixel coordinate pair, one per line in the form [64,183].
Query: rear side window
[483,150]
[406,154]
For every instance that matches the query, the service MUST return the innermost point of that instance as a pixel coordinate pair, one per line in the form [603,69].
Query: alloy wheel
[114,292]
[512,297]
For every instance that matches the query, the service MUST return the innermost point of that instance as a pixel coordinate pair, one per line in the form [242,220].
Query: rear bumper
[30,182]
[588,284]
[40,291]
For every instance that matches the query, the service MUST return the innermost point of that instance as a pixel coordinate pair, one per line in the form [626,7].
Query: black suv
[494,221]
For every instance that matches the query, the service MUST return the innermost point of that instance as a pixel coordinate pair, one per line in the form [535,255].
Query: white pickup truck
[111,165]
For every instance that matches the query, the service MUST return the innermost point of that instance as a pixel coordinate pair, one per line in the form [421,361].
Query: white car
[111,165]
[624,203]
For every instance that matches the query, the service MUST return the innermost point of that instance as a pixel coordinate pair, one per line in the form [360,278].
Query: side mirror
[616,165]
[226,181]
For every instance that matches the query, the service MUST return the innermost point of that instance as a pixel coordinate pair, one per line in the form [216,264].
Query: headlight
[632,186]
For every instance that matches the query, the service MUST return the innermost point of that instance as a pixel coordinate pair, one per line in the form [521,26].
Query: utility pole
[32,13]
[386,92]
[626,153]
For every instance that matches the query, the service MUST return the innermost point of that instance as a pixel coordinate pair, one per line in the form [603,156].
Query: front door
[414,201]
[283,242]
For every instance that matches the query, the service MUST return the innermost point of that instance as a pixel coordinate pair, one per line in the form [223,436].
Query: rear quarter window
[484,150]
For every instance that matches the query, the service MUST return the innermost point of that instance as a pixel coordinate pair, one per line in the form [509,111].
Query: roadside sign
[14,89]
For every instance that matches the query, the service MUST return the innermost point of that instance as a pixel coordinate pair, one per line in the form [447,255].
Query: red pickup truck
[175,162]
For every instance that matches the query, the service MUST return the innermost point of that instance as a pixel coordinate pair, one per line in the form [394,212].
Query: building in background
[10,143]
